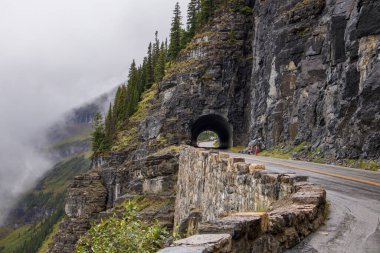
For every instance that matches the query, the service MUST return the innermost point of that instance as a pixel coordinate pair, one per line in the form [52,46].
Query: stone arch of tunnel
[215,123]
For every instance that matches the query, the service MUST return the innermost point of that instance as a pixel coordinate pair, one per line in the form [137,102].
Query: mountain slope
[33,216]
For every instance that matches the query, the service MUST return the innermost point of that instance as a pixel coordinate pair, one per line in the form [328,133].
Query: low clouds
[56,55]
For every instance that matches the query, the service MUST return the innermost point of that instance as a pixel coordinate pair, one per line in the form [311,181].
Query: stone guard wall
[218,199]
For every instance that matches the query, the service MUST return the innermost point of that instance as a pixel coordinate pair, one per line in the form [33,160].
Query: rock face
[218,198]
[207,88]
[85,200]
[292,71]
[315,75]
[296,70]
[92,194]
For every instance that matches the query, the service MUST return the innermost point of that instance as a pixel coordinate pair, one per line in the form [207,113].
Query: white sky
[58,54]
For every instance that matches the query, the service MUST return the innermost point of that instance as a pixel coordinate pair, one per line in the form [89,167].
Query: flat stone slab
[205,243]
[204,239]
[184,249]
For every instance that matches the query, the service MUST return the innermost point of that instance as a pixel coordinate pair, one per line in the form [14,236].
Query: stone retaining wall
[218,199]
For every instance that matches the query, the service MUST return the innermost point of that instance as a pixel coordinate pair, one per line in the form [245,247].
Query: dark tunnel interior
[215,123]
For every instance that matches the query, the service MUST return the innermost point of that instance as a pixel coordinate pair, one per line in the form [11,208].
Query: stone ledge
[225,193]
[207,243]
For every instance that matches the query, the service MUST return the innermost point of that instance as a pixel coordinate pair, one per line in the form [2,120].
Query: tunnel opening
[208,139]
[212,123]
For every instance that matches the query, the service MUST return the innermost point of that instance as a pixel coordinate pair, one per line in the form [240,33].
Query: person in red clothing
[256,150]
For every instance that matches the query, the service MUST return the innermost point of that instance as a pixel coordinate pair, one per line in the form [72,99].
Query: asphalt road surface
[206,144]
[353,224]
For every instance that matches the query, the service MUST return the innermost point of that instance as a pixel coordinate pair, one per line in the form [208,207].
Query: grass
[304,151]
[362,164]
[128,137]
[207,136]
[86,135]
[203,35]
[125,139]
[48,194]
[56,180]
[168,149]
[193,45]
[49,239]
[181,67]
[301,4]
[237,149]
[15,237]
[153,203]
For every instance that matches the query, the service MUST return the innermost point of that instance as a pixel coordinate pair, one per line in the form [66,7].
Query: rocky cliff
[315,75]
[283,71]
[289,71]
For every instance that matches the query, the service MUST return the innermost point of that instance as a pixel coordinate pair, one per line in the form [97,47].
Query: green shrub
[125,234]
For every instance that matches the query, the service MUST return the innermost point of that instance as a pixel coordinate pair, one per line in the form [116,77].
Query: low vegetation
[29,238]
[207,136]
[304,151]
[237,149]
[124,234]
[83,136]
[49,239]
[47,198]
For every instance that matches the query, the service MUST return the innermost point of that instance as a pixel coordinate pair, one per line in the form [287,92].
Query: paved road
[354,195]
[206,144]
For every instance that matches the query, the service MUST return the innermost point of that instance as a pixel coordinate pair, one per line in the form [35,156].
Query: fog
[56,55]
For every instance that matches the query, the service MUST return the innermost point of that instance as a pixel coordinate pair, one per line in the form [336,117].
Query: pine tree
[119,109]
[192,23]
[132,90]
[184,38]
[110,128]
[175,33]
[156,52]
[160,66]
[144,74]
[206,11]
[98,135]
[149,70]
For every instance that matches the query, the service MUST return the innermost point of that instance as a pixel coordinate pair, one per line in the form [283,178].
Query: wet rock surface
[312,74]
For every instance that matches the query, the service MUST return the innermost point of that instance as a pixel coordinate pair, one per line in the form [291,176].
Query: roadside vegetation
[305,152]
[124,233]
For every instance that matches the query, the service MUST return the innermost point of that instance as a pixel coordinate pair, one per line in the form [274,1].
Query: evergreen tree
[98,135]
[185,38]
[149,70]
[132,90]
[156,52]
[144,74]
[192,23]
[119,109]
[110,128]
[206,11]
[160,66]
[175,33]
